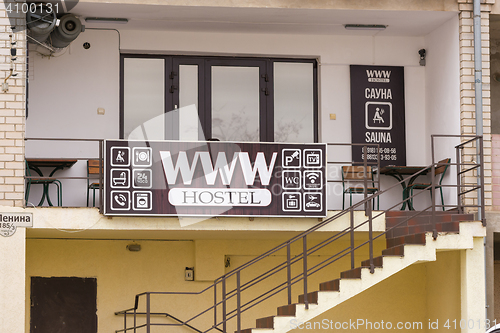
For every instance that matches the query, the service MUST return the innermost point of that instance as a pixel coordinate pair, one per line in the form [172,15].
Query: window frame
[205,63]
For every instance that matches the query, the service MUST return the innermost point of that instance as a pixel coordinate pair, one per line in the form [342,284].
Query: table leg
[45,186]
[46,189]
[43,195]
[410,201]
[46,193]
[405,190]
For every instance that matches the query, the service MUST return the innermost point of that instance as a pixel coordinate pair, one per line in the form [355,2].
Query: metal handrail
[307,271]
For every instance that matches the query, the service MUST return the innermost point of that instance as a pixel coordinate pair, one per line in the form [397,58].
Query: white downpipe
[478,88]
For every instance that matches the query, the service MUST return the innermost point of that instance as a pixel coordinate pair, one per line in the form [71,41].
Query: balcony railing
[463,185]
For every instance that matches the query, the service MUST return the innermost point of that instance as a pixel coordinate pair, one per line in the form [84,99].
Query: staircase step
[394,251]
[396,218]
[351,274]
[246,330]
[287,310]
[266,322]
[408,239]
[333,285]
[463,217]
[377,262]
[311,298]
[410,230]
[448,227]
[408,213]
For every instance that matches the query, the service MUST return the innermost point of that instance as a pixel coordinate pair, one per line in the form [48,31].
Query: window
[230,99]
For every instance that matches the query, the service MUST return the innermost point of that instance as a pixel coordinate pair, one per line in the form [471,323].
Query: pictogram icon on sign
[142,178]
[313,180]
[291,158]
[142,200]
[291,201]
[120,200]
[313,202]
[120,156]
[291,179]
[312,158]
[142,156]
[378,116]
[120,178]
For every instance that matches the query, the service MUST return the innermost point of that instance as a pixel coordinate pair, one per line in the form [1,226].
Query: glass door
[143,98]
[237,100]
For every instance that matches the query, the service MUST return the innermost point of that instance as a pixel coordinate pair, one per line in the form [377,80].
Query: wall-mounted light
[117,20]
[134,247]
[421,53]
[365,26]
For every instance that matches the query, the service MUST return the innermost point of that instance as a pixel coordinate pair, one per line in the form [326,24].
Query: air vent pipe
[68,30]
[40,22]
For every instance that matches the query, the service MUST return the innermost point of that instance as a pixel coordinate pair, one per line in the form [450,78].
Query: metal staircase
[410,237]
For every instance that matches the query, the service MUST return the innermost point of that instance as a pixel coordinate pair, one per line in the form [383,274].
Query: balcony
[67,167]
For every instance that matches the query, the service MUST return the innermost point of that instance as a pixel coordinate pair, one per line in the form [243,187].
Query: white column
[473,289]
[12,282]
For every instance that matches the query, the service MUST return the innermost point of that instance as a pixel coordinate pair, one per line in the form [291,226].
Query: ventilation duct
[67,31]
[40,22]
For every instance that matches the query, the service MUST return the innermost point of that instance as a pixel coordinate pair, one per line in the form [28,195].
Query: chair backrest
[356,172]
[441,168]
[93,167]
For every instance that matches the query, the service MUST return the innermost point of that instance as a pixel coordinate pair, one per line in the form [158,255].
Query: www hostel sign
[172,178]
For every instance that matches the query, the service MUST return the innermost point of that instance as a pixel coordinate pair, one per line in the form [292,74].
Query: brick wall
[467,100]
[12,110]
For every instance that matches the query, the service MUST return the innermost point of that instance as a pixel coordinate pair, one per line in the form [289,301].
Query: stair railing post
[433,199]
[365,179]
[288,273]
[351,214]
[136,306]
[125,321]
[304,260]
[238,302]
[135,320]
[370,234]
[215,304]
[459,186]
[148,313]
[224,325]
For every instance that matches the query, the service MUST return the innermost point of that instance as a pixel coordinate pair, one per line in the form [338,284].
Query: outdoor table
[56,163]
[399,172]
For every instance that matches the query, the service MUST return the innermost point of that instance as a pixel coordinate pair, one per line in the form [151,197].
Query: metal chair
[440,169]
[356,174]
[93,168]
[41,181]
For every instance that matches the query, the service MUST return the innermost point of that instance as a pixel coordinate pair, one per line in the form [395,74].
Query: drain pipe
[478,88]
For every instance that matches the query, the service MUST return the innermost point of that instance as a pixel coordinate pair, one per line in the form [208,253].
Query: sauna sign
[172,178]
[378,113]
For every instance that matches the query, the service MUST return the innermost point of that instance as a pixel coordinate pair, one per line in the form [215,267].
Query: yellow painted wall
[120,274]
[443,289]
[416,294]
[160,265]
[411,297]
